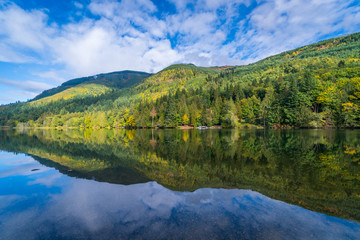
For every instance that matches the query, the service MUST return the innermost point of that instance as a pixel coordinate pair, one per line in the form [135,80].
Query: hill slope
[108,80]
[313,86]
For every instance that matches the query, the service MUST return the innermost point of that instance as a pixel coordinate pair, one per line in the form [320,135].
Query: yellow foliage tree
[185,119]
[131,121]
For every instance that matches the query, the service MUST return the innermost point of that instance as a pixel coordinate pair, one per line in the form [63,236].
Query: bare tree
[153,114]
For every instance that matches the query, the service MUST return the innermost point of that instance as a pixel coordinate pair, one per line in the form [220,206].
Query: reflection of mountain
[119,175]
[315,169]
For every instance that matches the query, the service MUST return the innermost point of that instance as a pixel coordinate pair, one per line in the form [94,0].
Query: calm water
[180,184]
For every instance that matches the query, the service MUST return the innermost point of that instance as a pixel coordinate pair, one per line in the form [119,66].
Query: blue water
[38,202]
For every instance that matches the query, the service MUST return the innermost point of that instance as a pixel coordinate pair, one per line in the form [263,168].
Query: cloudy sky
[44,43]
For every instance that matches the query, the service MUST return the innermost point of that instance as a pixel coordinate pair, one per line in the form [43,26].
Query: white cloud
[7,99]
[11,54]
[78,5]
[30,86]
[124,9]
[127,36]
[16,25]
[11,96]
[106,9]
[198,25]
[52,74]
[162,55]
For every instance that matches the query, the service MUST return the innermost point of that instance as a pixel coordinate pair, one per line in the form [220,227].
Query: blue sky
[44,43]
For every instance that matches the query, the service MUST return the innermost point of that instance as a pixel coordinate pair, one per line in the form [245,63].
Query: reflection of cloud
[46,180]
[102,211]
[133,205]
[4,156]
[5,201]
[86,209]
[19,165]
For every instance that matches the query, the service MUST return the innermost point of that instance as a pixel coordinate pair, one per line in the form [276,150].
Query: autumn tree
[185,119]
[131,122]
[153,114]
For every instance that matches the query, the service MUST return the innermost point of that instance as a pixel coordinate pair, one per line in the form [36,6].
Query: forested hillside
[313,86]
[104,81]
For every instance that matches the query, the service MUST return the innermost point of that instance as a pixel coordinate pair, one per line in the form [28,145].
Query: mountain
[92,85]
[317,85]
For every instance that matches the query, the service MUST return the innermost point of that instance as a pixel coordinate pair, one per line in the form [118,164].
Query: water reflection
[86,209]
[316,169]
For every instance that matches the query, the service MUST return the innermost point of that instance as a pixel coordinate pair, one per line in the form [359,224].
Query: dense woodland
[313,86]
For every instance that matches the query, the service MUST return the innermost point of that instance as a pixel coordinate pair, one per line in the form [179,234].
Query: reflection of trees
[316,169]
[287,165]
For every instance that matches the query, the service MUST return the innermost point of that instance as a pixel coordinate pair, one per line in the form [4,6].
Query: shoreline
[187,128]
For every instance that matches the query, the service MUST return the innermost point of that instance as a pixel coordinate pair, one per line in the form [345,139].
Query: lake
[179,184]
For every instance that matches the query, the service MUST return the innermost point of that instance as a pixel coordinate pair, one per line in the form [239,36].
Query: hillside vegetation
[313,86]
[110,80]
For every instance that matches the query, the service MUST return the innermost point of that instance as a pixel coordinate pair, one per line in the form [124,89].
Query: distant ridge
[120,79]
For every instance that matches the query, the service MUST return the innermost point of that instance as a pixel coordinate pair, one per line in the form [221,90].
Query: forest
[315,86]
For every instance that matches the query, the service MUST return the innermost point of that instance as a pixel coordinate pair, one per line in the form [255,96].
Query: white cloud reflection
[89,209]
[46,204]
